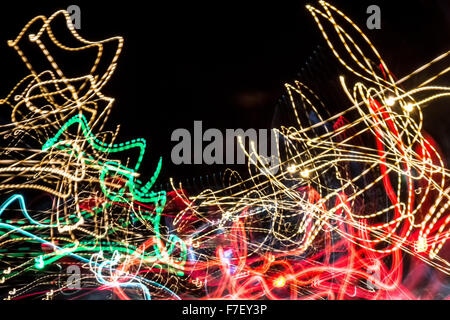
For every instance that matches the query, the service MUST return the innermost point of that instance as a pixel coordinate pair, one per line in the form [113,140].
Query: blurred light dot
[390,101]
[291,169]
[279,282]
[409,107]
[305,173]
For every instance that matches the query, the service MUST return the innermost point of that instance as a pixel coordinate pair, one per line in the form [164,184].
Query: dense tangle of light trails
[358,210]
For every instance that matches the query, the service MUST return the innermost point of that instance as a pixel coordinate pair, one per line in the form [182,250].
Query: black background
[223,62]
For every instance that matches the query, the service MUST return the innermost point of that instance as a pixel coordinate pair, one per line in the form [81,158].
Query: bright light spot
[409,107]
[279,282]
[292,169]
[39,263]
[305,173]
[390,101]
[421,244]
